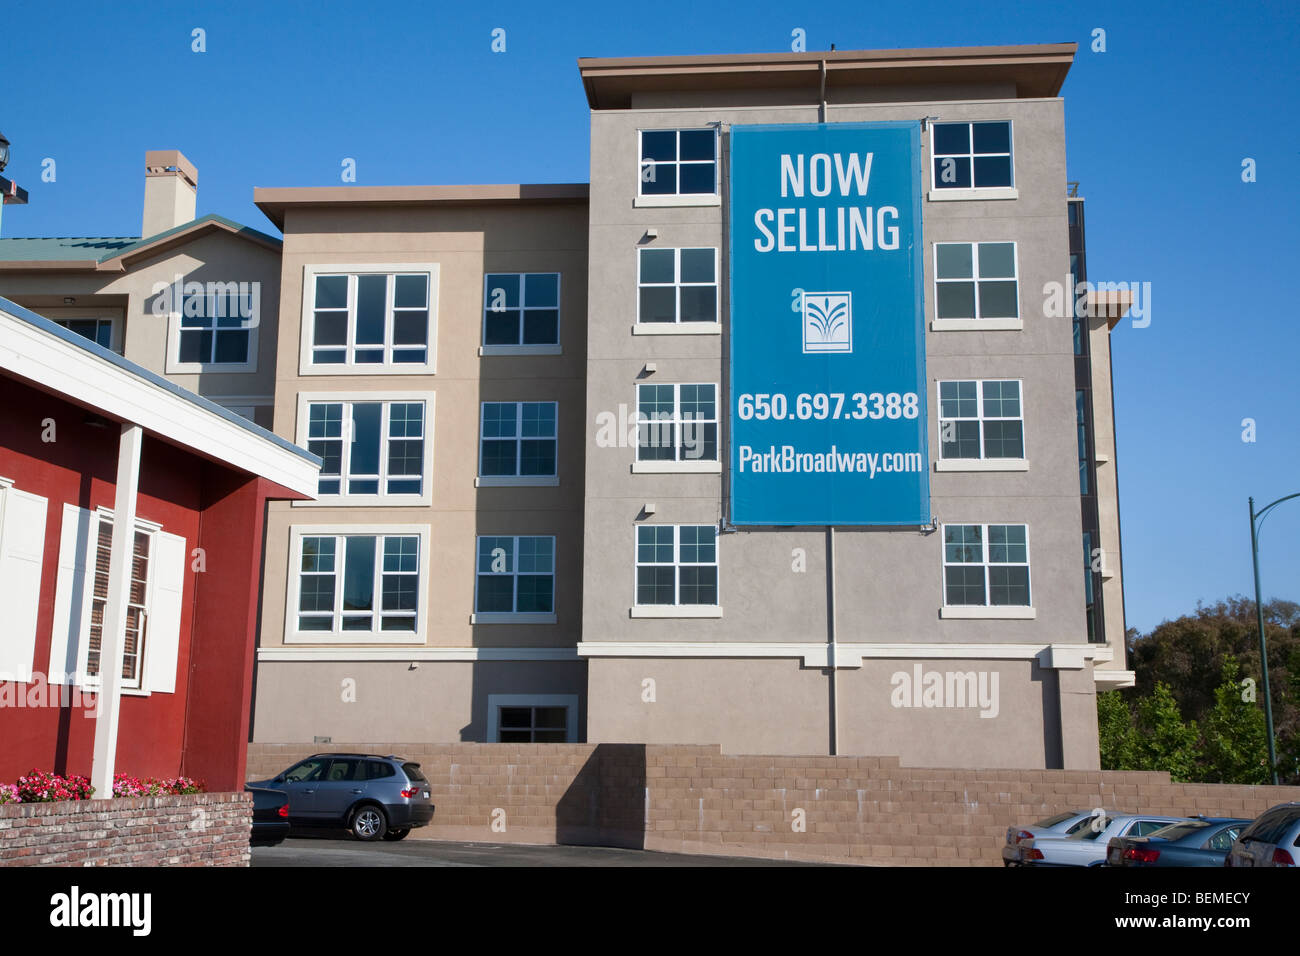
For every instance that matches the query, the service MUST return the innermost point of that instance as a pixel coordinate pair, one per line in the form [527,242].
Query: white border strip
[1069,656]
[563,654]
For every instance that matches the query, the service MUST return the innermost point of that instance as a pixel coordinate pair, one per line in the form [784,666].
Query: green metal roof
[42,249]
[103,248]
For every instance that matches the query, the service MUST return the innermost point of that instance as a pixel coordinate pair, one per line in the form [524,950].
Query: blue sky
[1157,127]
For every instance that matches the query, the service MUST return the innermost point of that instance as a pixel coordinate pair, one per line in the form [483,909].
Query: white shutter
[72,594]
[22,548]
[162,634]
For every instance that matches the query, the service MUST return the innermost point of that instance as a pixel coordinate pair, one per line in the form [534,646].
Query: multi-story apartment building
[949,629]
[554,501]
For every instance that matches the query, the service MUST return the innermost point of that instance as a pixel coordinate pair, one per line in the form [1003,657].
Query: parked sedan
[270,817]
[1203,841]
[374,797]
[1272,840]
[1060,825]
[1087,846]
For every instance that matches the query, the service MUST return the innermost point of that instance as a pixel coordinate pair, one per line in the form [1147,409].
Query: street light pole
[1256,521]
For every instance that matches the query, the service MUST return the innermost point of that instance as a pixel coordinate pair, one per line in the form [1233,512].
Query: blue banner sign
[828,397]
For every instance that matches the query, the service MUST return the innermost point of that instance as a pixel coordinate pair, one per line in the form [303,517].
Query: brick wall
[695,799]
[201,829]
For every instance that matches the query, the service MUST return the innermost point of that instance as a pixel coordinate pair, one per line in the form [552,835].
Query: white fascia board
[417,654]
[815,654]
[81,375]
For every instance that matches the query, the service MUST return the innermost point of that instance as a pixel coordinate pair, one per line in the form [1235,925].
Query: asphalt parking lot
[344,851]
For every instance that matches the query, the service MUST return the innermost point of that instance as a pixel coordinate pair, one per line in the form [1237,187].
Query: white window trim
[678,328]
[1005,323]
[297,532]
[62,316]
[380,500]
[545,348]
[568,701]
[939,194]
[677,286]
[678,465]
[663,202]
[516,617]
[306,326]
[22,622]
[675,610]
[511,481]
[678,198]
[981,463]
[1009,612]
[80,677]
[175,366]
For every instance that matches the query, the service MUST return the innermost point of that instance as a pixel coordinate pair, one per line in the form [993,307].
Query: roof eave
[275,201]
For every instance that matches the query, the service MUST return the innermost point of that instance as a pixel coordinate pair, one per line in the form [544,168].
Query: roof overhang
[275,201]
[35,349]
[1036,70]
[1108,304]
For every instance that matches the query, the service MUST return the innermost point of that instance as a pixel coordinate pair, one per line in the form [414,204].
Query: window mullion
[353,282]
[385,409]
[340,554]
[390,318]
[377,595]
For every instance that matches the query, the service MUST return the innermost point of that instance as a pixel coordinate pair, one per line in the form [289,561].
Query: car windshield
[412,771]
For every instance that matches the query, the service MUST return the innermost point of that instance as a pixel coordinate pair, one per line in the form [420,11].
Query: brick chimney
[170,189]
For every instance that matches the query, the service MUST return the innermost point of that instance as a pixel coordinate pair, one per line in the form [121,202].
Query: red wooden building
[87,436]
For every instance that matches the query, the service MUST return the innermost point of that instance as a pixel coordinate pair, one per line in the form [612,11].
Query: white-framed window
[375,448]
[99,331]
[677,162]
[521,311]
[986,565]
[677,423]
[22,556]
[518,443]
[515,579]
[369,319]
[972,156]
[677,286]
[676,565]
[154,604]
[358,584]
[976,282]
[215,328]
[981,419]
[532,718]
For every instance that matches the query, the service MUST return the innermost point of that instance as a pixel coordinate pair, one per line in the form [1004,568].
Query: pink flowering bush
[125,785]
[41,787]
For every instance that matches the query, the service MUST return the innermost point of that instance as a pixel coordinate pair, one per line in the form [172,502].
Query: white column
[113,641]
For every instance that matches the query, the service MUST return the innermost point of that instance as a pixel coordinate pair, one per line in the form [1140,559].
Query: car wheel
[368,823]
[396,834]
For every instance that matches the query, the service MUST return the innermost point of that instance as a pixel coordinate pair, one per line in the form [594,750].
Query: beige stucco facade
[435,685]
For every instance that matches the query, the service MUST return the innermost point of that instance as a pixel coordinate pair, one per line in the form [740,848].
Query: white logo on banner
[827,322]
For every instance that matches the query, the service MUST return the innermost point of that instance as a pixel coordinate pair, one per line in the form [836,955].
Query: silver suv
[374,797]
[1272,840]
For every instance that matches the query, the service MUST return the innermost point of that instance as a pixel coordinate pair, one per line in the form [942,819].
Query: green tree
[1115,732]
[1235,747]
[1164,741]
